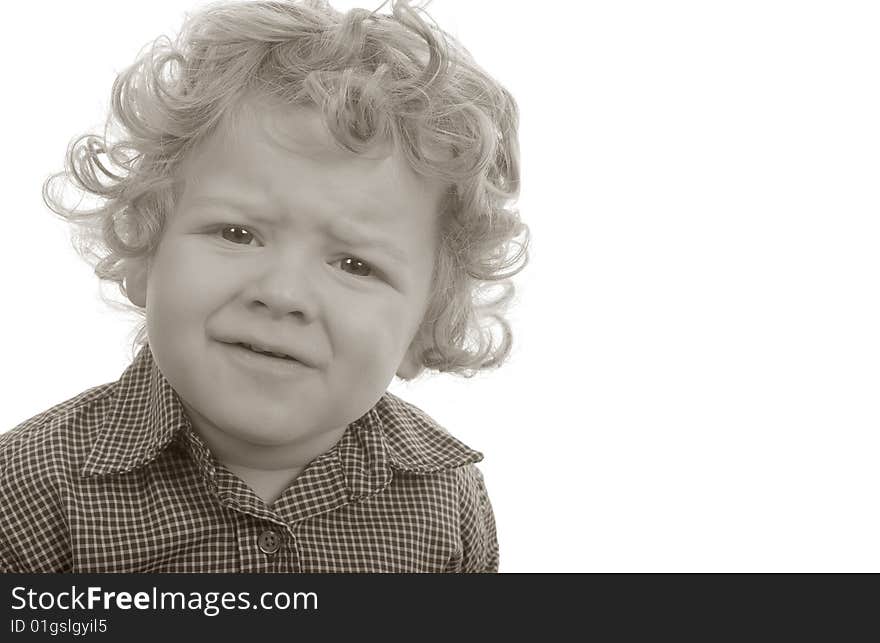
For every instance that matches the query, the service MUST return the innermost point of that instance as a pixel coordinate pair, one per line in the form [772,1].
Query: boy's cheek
[380,343]
[186,278]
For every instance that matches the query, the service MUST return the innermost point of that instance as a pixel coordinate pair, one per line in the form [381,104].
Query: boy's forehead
[300,130]
[294,130]
[295,133]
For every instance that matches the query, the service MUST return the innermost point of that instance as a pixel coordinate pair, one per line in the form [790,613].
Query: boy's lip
[266,347]
[279,370]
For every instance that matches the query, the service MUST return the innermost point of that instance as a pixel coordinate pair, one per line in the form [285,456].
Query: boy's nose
[285,287]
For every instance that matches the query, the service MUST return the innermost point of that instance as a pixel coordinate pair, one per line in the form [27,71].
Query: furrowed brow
[347,234]
[340,232]
[245,208]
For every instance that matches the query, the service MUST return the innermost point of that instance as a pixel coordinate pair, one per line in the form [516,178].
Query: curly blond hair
[371,75]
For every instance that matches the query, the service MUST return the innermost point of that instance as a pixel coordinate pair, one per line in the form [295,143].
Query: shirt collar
[144,418]
[146,415]
[396,435]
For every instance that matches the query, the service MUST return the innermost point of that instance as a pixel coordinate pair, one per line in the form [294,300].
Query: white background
[694,384]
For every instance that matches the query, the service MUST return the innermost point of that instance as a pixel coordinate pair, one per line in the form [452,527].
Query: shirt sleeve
[478,537]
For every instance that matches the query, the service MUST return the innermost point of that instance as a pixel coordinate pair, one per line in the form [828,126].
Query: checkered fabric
[116,480]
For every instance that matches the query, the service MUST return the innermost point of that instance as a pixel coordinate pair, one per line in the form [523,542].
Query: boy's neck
[246,456]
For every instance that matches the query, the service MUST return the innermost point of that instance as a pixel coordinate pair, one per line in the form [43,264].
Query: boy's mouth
[259,351]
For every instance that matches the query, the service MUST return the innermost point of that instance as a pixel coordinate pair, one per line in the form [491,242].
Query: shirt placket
[266,543]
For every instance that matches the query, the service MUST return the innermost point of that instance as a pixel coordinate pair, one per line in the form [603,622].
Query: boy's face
[282,243]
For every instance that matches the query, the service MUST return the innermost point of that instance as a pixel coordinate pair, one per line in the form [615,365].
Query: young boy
[303,204]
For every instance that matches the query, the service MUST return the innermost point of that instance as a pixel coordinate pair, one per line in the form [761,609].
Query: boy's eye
[237,234]
[356,267]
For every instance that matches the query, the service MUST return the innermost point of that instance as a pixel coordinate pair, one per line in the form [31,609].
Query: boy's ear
[410,366]
[136,271]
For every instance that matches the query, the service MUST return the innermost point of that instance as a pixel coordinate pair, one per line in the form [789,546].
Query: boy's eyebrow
[344,233]
[245,208]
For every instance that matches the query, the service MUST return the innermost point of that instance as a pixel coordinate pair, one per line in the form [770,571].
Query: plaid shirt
[115,480]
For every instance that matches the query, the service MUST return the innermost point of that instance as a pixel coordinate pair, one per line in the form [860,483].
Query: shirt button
[269,542]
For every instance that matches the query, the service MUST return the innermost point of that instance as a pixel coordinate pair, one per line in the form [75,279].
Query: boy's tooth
[265,352]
